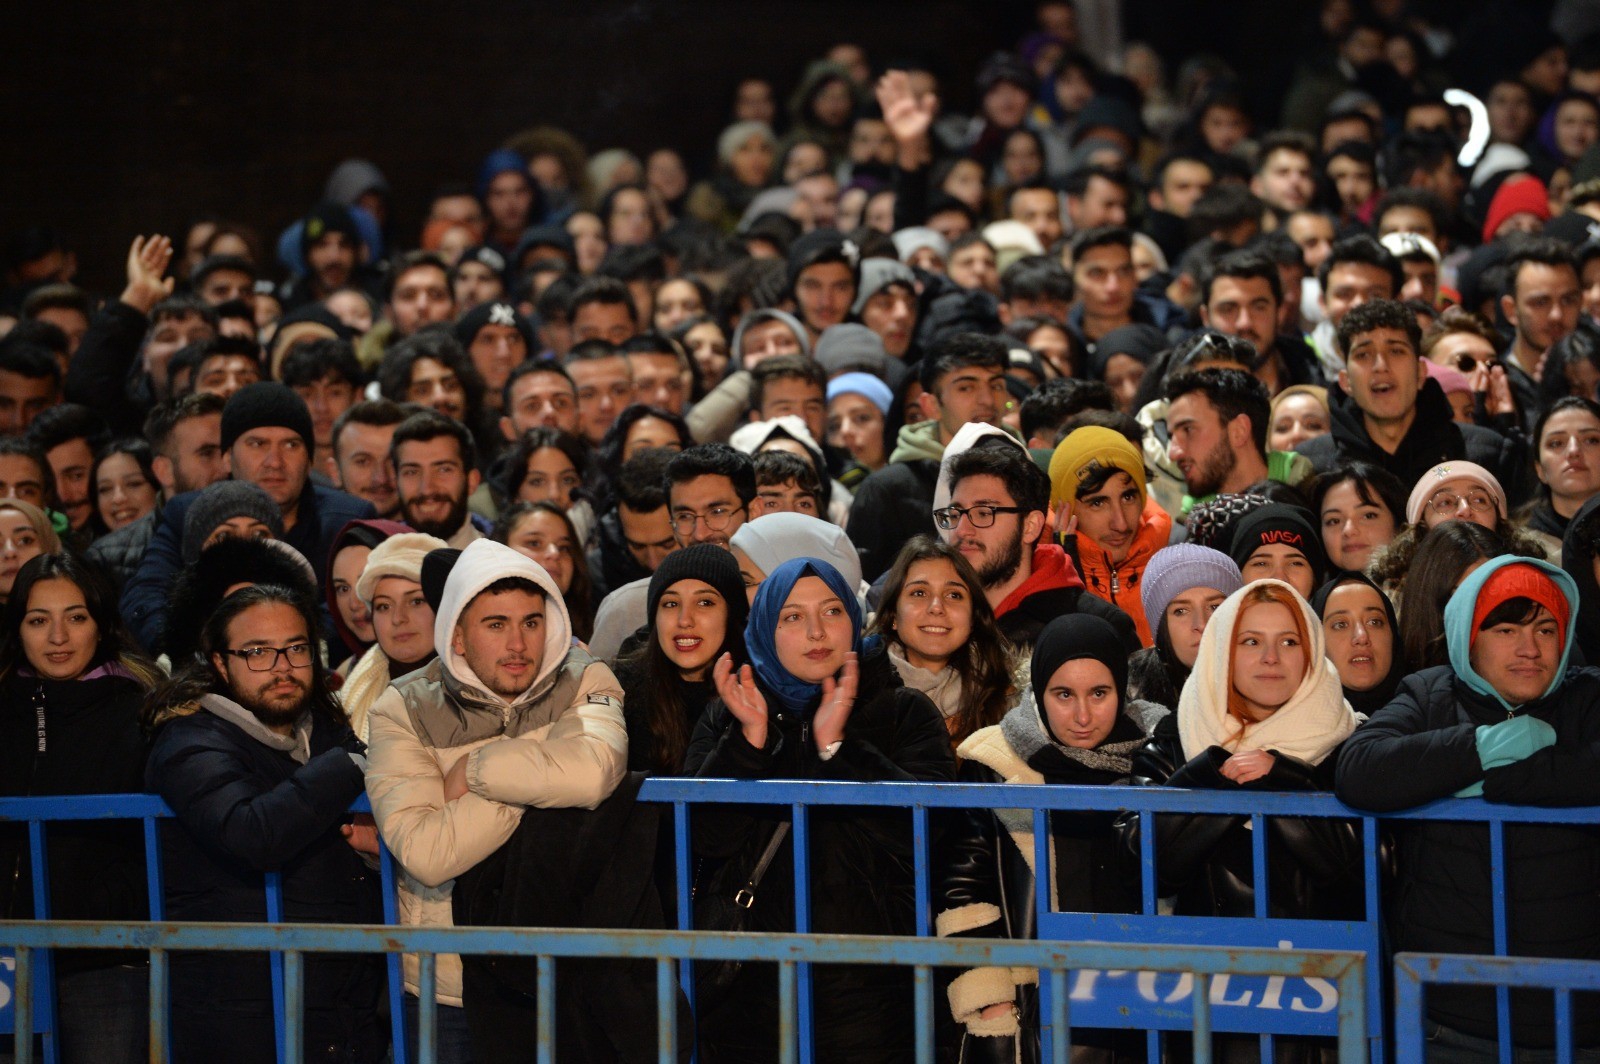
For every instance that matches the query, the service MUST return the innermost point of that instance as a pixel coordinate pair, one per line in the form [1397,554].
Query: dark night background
[130,118]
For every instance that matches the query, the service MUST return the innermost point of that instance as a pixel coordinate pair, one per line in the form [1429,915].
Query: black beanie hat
[436,566]
[1279,523]
[1074,636]
[824,245]
[703,561]
[494,312]
[327,217]
[266,404]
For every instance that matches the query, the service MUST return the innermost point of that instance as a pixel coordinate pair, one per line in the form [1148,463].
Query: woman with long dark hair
[546,533]
[697,610]
[1566,459]
[70,690]
[123,484]
[940,634]
[807,706]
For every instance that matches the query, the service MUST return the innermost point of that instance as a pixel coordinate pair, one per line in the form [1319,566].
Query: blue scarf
[795,694]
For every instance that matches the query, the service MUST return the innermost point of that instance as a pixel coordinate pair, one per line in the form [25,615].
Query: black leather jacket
[1314,864]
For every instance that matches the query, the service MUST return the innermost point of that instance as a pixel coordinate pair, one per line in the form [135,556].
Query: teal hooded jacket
[1458,623]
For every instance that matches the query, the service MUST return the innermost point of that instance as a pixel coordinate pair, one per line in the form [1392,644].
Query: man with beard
[1240,296]
[997,518]
[435,466]
[509,719]
[268,438]
[331,252]
[1217,431]
[254,757]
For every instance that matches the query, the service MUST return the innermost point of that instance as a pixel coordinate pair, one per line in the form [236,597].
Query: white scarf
[366,682]
[943,688]
[1308,727]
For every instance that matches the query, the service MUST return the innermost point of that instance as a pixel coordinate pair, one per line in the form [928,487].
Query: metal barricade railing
[1346,969]
[1413,972]
[1267,1008]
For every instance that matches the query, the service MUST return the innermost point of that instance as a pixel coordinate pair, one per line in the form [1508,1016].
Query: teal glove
[1507,743]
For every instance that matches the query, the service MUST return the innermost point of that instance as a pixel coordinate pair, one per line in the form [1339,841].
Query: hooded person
[1195,580]
[760,546]
[1362,632]
[809,706]
[1111,526]
[339,590]
[721,410]
[1075,725]
[1509,720]
[1262,710]
[400,556]
[221,568]
[1280,541]
[456,756]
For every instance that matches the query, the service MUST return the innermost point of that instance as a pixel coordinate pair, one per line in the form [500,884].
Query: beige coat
[562,743]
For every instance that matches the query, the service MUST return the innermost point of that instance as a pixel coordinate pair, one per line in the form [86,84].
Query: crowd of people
[1102,436]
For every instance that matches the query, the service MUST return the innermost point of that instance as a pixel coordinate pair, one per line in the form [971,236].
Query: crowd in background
[1125,431]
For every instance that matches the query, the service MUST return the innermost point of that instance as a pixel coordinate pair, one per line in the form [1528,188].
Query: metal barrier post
[45,987]
[23,1038]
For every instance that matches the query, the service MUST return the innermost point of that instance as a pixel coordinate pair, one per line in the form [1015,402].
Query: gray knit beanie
[221,502]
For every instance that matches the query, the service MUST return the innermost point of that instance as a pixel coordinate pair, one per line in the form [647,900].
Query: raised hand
[838,699]
[147,262]
[907,116]
[743,698]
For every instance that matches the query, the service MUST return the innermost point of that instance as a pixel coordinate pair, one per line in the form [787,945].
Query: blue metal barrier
[1116,996]
[1346,970]
[1414,971]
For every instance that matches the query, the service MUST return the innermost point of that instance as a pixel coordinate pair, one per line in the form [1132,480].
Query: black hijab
[1369,702]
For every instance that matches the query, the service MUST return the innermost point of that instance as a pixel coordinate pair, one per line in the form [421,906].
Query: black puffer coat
[89,733]
[860,861]
[244,808]
[1423,747]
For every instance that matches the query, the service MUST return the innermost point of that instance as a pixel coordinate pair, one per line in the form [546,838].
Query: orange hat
[1520,581]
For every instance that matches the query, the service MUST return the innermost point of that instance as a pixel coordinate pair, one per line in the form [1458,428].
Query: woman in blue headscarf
[809,705]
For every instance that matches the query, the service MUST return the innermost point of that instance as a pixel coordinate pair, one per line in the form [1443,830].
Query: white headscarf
[772,539]
[1314,721]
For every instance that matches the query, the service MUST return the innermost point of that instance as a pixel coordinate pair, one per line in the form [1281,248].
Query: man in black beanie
[268,438]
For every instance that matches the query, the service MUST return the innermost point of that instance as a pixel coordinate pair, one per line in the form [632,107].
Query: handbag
[717,911]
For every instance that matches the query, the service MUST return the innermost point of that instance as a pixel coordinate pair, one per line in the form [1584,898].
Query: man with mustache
[511,716]
[254,756]
[435,464]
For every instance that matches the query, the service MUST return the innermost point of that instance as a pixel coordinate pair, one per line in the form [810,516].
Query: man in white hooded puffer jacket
[456,752]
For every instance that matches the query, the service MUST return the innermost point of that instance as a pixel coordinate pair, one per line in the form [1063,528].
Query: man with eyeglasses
[998,519]
[1385,410]
[709,490]
[254,756]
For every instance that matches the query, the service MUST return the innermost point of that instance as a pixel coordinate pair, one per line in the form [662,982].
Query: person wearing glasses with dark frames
[709,490]
[254,756]
[997,518]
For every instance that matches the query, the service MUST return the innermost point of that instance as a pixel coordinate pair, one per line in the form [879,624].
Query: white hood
[964,439]
[481,564]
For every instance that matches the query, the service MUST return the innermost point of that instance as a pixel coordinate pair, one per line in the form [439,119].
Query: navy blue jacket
[244,809]
[323,512]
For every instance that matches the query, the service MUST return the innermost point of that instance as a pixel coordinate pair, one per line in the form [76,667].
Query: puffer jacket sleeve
[577,763]
[1407,753]
[434,840]
[224,803]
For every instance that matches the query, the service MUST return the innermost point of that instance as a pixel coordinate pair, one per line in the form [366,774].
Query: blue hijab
[795,694]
